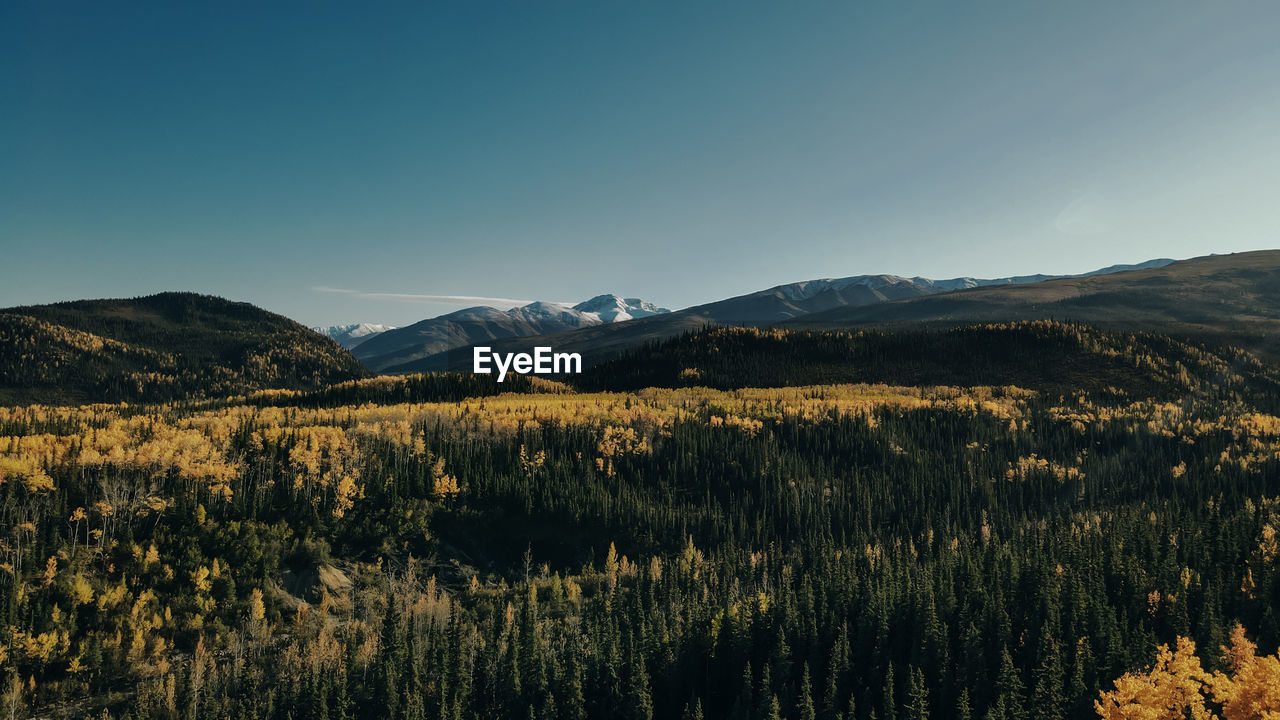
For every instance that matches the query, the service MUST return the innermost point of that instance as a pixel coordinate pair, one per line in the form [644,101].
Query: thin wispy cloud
[427,299]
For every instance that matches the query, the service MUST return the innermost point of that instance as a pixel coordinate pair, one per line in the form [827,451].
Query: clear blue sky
[682,151]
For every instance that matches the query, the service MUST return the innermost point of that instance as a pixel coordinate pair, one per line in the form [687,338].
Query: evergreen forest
[1002,522]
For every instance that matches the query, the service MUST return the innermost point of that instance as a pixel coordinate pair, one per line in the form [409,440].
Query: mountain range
[1203,291]
[182,345]
[1231,298]
[349,336]
[778,304]
[434,336]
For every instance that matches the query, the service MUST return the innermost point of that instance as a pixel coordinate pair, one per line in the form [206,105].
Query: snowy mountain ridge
[349,336]
[482,324]
[598,310]
[806,289]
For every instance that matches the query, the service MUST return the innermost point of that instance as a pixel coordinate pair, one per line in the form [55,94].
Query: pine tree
[804,703]
[889,706]
[511,683]
[1046,698]
[836,665]
[1080,685]
[550,709]
[575,704]
[829,694]
[774,711]
[322,698]
[1010,691]
[917,695]
[998,710]
[764,693]
[963,710]
[974,669]
[639,701]
[389,669]
[342,703]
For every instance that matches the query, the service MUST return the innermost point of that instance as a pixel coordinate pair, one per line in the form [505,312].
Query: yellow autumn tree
[257,611]
[1172,690]
[1178,687]
[444,484]
[1252,691]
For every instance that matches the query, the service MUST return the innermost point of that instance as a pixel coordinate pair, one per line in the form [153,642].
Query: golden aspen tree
[1252,690]
[1177,686]
[1171,690]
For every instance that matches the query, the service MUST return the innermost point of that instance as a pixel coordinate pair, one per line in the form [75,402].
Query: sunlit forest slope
[162,347]
[859,543]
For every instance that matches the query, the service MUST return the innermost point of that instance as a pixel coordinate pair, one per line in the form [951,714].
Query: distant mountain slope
[1235,295]
[349,336]
[485,324]
[163,347]
[784,302]
[765,307]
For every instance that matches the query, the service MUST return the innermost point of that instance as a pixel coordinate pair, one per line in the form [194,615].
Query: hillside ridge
[166,346]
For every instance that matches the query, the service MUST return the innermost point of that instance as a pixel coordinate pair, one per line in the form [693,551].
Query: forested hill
[1235,297]
[1045,355]
[844,552]
[162,347]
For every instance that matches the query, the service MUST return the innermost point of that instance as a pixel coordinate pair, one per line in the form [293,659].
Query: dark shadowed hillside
[1234,297]
[161,347]
[1044,355]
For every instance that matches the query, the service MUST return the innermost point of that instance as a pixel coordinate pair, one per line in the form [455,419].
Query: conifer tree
[743,705]
[963,709]
[917,707]
[1046,699]
[1010,701]
[889,706]
[774,708]
[804,703]
[639,700]
[575,705]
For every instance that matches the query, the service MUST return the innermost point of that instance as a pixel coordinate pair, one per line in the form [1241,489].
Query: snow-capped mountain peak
[611,308]
[544,311]
[484,324]
[348,336]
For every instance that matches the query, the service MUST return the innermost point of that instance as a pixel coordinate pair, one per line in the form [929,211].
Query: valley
[817,519]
